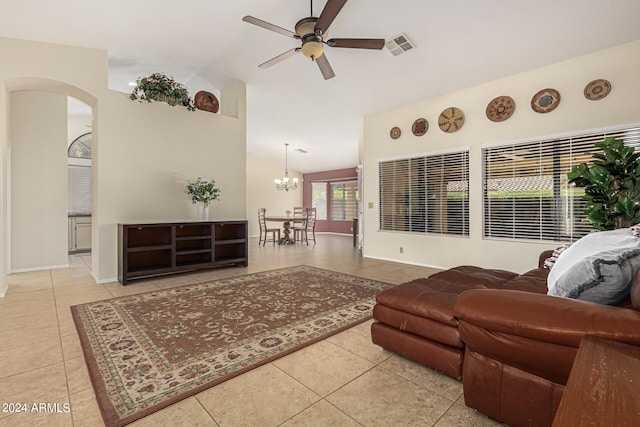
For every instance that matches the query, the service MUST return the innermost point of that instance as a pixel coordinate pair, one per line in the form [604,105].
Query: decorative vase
[203,212]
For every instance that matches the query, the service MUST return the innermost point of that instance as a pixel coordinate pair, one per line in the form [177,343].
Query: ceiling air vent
[399,44]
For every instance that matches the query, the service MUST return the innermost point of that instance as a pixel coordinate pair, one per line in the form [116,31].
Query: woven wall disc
[206,101]
[597,89]
[500,108]
[395,132]
[546,100]
[420,127]
[451,119]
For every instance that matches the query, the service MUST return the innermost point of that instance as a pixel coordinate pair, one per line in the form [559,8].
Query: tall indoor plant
[160,87]
[612,185]
[202,192]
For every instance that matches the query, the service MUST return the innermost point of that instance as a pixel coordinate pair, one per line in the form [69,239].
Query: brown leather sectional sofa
[512,345]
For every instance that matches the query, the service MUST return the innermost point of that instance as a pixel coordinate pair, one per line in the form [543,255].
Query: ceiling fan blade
[279,58]
[268,26]
[329,13]
[357,43]
[325,67]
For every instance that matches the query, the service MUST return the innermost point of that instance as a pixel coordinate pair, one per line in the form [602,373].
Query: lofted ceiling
[206,45]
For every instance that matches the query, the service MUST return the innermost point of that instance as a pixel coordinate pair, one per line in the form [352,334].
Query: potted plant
[160,87]
[612,185]
[202,192]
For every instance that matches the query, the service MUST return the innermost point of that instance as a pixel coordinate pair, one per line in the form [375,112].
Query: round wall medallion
[395,132]
[597,89]
[420,127]
[206,101]
[500,108]
[546,100]
[451,119]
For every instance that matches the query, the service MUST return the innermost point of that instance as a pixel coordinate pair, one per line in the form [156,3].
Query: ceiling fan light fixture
[306,26]
[312,48]
[313,33]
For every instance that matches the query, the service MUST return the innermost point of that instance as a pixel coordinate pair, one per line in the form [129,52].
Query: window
[344,200]
[79,189]
[80,148]
[526,193]
[426,194]
[335,200]
[319,199]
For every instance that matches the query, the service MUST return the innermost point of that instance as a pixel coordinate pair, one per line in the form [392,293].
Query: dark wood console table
[603,386]
[146,250]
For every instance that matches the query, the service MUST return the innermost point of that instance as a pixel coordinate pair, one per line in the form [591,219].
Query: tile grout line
[64,364]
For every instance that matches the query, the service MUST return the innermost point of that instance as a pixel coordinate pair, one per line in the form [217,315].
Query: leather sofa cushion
[420,326]
[473,277]
[424,297]
[532,281]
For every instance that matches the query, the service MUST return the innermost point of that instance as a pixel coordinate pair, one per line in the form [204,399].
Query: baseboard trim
[418,264]
[103,281]
[50,267]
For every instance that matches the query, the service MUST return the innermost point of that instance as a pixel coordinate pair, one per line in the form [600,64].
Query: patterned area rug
[147,351]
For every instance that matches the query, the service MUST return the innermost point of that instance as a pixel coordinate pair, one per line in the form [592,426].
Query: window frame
[554,164]
[418,219]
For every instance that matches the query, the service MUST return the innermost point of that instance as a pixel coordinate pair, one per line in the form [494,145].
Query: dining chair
[264,230]
[310,226]
[298,225]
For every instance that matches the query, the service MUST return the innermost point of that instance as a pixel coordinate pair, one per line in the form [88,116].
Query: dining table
[286,221]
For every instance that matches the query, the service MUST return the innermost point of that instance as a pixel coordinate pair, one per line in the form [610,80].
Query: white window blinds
[526,192]
[79,189]
[319,199]
[426,194]
[344,200]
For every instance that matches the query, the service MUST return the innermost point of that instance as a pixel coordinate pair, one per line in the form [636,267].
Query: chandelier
[284,183]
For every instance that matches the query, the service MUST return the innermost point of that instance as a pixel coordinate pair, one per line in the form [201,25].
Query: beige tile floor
[344,380]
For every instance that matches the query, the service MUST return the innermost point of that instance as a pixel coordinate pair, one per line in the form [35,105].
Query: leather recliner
[520,347]
[511,343]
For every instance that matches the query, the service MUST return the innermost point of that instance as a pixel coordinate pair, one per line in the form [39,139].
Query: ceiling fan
[312,31]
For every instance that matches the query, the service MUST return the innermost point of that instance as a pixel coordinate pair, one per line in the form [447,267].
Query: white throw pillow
[591,244]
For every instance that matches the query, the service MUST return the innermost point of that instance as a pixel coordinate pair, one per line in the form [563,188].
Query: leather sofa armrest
[546,318]
[543,257]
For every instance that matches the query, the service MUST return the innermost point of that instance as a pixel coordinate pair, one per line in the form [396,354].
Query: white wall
[4,137]
[147,152]
[619,65]
[142,153]
[77,126]
[261,191]
[38,180]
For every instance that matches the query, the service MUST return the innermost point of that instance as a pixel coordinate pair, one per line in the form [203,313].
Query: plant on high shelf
[612,185]
[160,87]
[202,191]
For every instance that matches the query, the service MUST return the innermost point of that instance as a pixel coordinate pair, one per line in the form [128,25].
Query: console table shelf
[146,250]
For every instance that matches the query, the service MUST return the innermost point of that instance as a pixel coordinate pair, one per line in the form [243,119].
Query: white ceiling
[205,45]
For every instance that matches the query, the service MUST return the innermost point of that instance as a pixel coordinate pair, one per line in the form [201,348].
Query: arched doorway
[33,208]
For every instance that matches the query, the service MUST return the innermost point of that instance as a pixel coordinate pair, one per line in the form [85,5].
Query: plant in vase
[612,185]
[160,87]
[202,192]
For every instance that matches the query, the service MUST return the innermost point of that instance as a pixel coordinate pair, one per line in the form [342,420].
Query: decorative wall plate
[451,119]
[395,132]
[206,101]
[420,127]
[597,89]
[546,100]
[500,108]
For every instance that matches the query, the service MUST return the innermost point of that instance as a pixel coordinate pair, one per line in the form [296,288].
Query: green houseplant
[612,185]
[202,192]
[160,87]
